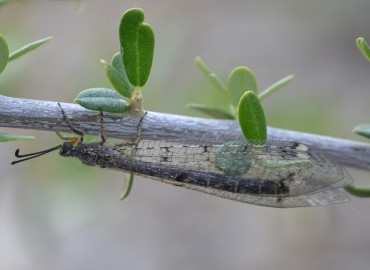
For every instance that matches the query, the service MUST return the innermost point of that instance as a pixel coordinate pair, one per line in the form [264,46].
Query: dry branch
[46,115]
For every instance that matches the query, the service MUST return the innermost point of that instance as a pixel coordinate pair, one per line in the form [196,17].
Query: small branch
[46,115]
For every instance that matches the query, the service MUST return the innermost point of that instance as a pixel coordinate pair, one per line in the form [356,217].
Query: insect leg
[137,139]
[64,137]
[74,130]
[102,136]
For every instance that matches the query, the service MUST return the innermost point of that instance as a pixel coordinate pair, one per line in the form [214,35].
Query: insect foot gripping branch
[276,174]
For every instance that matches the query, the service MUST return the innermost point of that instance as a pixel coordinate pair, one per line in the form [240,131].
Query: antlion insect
[277,174]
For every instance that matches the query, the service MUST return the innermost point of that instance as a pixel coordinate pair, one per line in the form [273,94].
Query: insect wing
[284,174]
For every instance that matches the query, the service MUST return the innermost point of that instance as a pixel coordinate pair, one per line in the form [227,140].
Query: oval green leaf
[363,130]
[252,118]
[241,79]
[27,48]
[6,137]
[363,192]
[4,53]
[363,47]
[118,80]
[137,46]
[215,80]
[118,64]
[104,99]
[275,87]
[213,112]
[274,164]
[127,186]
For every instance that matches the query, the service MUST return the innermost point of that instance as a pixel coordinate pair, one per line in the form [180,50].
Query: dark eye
[66,147]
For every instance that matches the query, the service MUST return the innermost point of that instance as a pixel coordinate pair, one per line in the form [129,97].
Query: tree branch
[46,115]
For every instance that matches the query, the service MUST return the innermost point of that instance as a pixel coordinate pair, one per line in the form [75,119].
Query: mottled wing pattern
[303,175]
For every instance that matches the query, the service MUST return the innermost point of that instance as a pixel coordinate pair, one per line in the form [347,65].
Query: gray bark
[46,115]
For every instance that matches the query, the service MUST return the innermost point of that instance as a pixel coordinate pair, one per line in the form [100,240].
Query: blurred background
[57,214]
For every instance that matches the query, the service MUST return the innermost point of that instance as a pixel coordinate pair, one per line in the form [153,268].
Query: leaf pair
[241,95]
[363,129]
[128,71]
[137,46]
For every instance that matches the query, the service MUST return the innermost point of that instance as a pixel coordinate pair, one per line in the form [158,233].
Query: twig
[46,115]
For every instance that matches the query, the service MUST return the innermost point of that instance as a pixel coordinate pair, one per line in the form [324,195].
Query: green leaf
[4,53]
[213,112]
[6,137]
[105,99]
[241,79]
[27,48]
[363,47]
[118,80]
[275,87]
[127,186]
[137,46]
[252,118]
[210,74]
[363,130]
[363,192]
[118,64]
